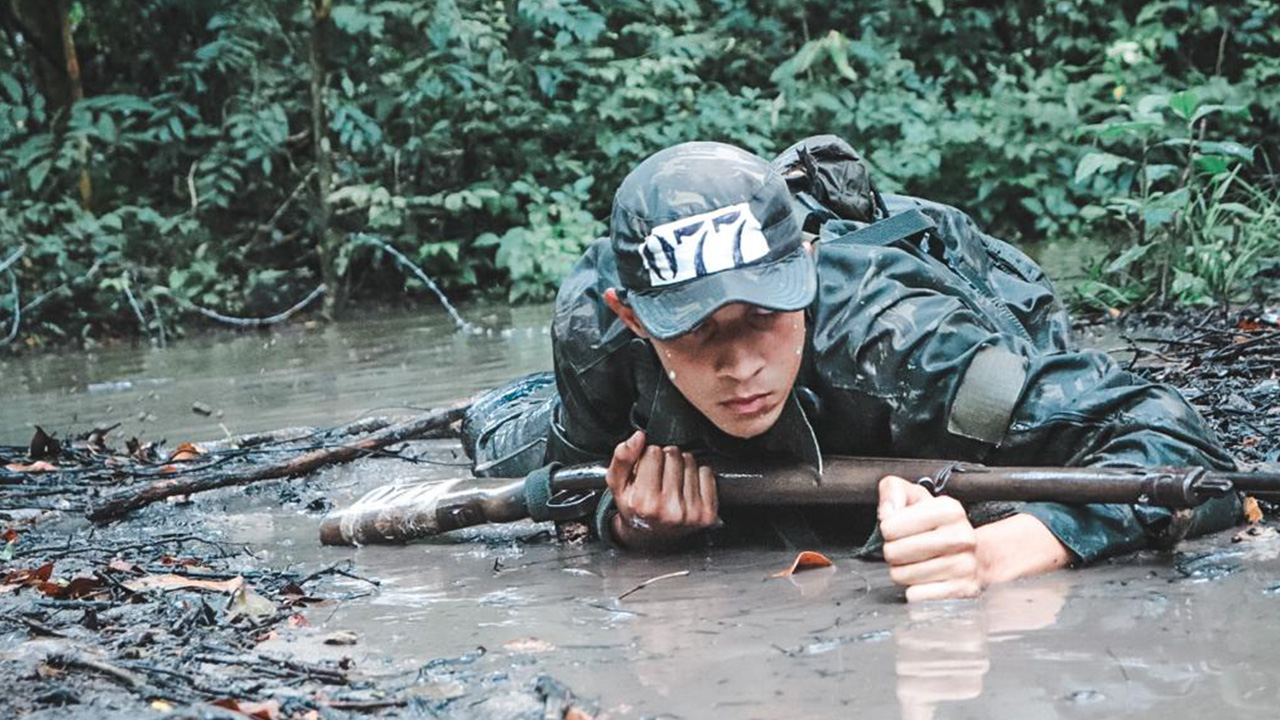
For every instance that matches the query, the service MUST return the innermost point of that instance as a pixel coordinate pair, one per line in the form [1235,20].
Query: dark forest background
[163,157]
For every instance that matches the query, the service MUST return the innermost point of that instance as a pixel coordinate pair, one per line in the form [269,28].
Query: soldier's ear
[624,312]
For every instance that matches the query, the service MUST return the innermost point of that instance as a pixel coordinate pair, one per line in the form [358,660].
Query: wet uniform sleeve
[925,358]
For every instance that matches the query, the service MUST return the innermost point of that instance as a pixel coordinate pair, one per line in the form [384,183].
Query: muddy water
[1155,635]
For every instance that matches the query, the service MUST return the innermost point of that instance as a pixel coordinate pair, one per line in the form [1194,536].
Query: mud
[467,626]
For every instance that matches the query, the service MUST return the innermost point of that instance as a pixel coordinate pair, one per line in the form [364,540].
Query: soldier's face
[737,367]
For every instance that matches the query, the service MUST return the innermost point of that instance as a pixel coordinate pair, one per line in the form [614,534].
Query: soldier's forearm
[1018,546]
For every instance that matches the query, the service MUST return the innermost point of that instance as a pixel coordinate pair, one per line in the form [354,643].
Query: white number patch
[703,244]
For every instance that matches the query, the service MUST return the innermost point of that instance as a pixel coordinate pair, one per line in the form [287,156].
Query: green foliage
[483,139]
[1185,224]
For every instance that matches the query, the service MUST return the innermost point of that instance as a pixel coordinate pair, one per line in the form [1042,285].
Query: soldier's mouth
[747,404]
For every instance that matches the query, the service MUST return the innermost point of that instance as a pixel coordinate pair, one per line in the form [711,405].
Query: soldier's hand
[929,543]
[662,494]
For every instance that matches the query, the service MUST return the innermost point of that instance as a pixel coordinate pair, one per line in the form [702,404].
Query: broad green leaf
[1184,104]
[1098,162]
[175,126]
[1228,148]
[1152,104]
[38,173]
[1127,258]
[1212,164]
[11,88]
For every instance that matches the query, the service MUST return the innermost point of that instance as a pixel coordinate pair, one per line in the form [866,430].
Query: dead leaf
[9,535]
[269,710]
[806,560]
[180,562]
[185,451]
[75,588]
[576,713]
[1249,325]
[30,577]
[528,646]
[181,582]
[124,566]
[1252,511]
[35,467]
[341,637]
[297,620]
[247,603]
[161,706]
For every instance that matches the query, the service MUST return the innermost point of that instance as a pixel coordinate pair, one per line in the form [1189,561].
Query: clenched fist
[662,494]
[930,546]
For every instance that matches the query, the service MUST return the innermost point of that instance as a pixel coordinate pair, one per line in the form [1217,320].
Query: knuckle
[966,538]
[898,575]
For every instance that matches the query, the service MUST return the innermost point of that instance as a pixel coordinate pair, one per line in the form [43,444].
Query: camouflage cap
[700,225]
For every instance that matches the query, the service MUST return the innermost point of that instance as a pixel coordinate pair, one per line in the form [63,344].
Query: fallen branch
[260,322]
[17,306]
[457,318]
[125,501]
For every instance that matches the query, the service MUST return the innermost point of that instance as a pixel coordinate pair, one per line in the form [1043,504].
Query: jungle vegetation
[160,157]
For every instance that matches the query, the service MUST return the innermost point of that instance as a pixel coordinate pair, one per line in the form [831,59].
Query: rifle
[400,513]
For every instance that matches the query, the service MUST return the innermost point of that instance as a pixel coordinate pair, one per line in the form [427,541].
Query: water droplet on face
[672,374]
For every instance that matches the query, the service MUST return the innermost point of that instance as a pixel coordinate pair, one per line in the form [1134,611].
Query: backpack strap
[902,226]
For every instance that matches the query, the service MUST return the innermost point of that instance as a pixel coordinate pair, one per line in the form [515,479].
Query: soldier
[755,309]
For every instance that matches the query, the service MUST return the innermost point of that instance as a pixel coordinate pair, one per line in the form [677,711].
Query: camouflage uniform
[941,342]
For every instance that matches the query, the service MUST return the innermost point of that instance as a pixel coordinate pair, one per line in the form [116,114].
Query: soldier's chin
[747,427]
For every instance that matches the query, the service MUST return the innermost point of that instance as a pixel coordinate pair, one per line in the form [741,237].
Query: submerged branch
[261,322]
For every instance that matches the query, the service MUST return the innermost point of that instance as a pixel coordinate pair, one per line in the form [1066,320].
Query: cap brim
[786,284]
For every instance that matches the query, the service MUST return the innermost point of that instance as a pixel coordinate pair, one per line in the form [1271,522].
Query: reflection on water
[324,375]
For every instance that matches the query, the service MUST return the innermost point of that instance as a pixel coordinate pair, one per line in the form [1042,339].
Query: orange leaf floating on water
[806,560]
[185,451]
[35,467]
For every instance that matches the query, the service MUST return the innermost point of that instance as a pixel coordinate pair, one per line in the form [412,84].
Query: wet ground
[459,621]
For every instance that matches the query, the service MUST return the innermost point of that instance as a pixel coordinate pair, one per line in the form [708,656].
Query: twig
[17,310]
[13,257]
[38,628]
[120,675]
[260,322]
[335,570]
[364,705]
[133,302]
[650,581]
[39,299]
[130,499]
[279,213]
[458,322]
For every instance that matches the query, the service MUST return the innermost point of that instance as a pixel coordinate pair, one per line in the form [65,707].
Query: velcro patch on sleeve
[987,395]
